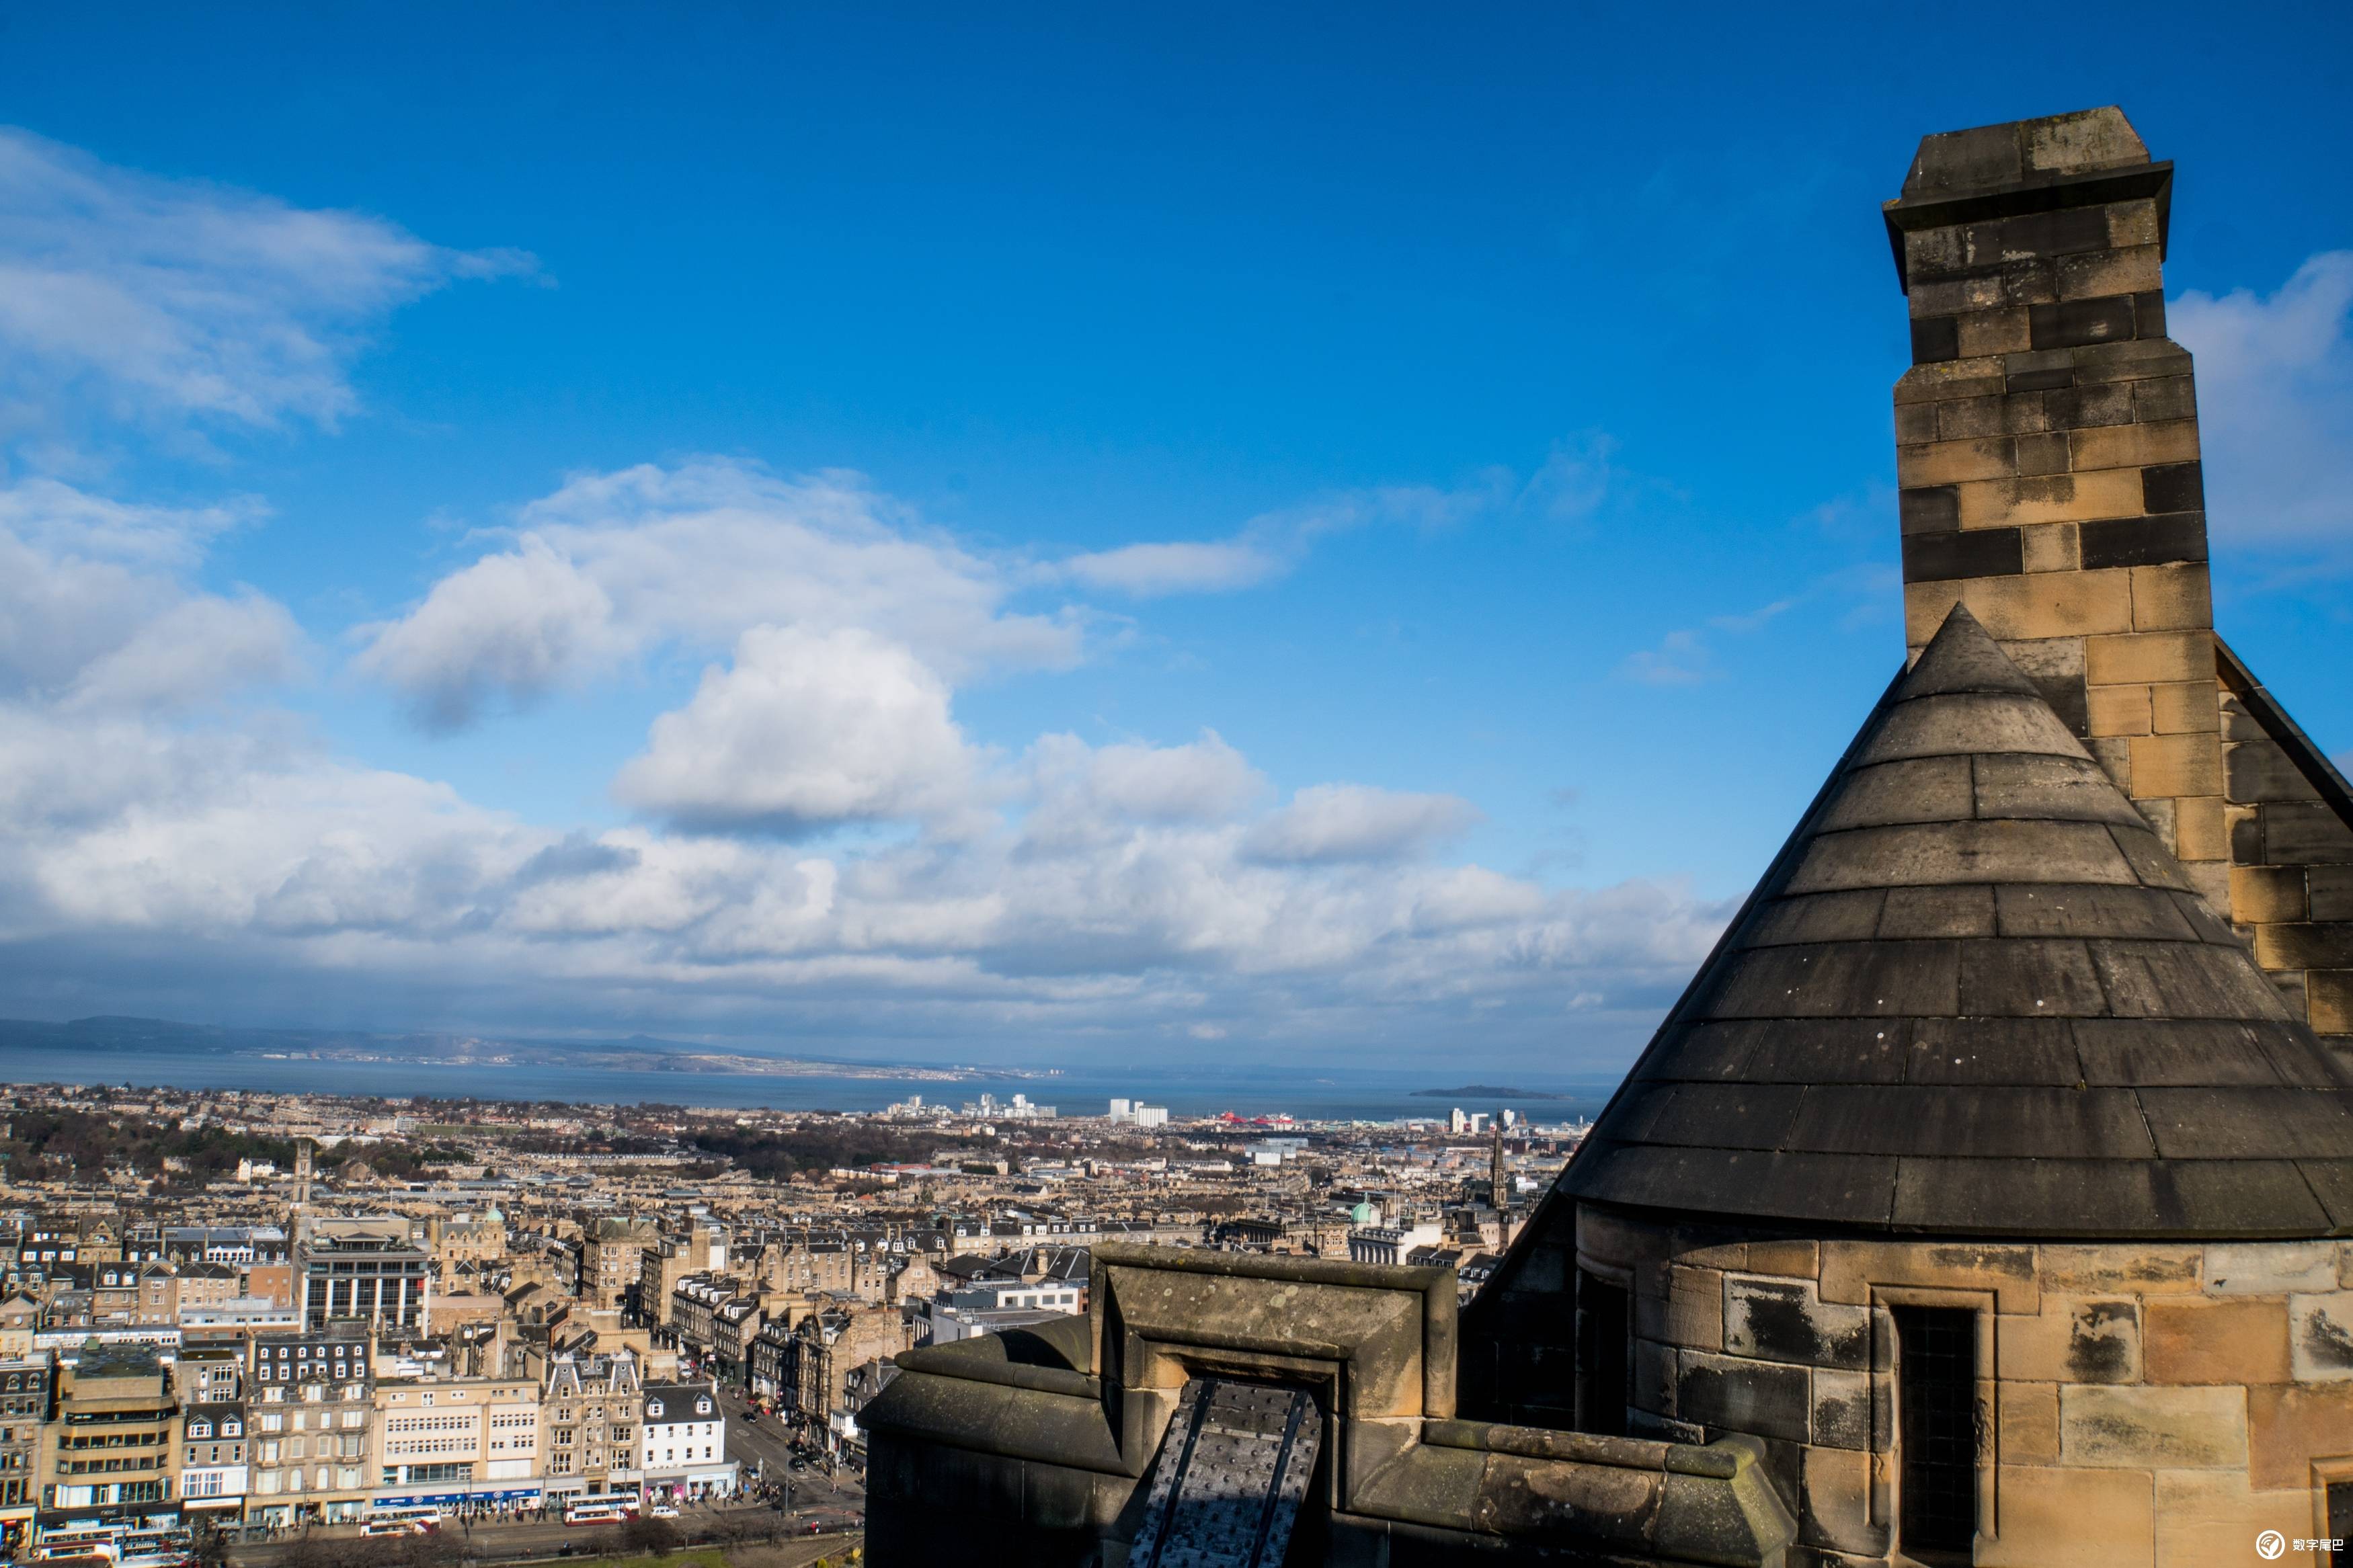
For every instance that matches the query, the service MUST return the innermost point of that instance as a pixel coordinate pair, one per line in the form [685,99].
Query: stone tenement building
[1986,1198]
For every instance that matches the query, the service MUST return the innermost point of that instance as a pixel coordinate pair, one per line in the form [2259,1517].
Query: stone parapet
[1043,1437]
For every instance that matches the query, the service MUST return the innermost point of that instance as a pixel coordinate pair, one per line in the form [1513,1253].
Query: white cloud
[193,650]
[96,610]
[1202,781]
[1681,658]
[806,729]
[1572,482]
[1149,570]
[175,300]
[1576,479]
[511,626]
[613,564]
[223,869]
[1330,823]
[2275,405]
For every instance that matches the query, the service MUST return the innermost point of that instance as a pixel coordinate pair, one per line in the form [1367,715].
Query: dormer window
[654,1407]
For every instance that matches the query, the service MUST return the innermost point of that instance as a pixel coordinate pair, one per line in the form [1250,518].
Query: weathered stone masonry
[2047,447]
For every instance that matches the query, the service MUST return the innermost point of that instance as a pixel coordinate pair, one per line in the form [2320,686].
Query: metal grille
[1937,1400]
[1232,1475]
[2340,1524]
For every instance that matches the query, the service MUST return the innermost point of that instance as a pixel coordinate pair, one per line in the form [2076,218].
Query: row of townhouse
[279,1428]
[65,1285]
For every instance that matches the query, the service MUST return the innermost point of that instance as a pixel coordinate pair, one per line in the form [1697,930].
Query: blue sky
[1342,534]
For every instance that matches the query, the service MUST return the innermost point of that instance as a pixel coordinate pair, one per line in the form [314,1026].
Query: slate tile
[2202,919]
[2014,1052]
[1943,853]
[1816,1188]
[2042,1198]
[1850,980]
[2072,789]
[2247,1123]
[2145,913]
[1989,1122]
[2152,863]
[2288,1042]
[1723,1116]
[1958,724]
[2182,979]
[1921,789]
[1928,912]
[2236,1198]
[1645,1104]
[2332,1181]
[1963,657]
[1816,917]
[1699,1052]
[2165,1053]
[1829,1050]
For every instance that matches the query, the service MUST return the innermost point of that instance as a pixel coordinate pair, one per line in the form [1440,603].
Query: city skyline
[1079,555]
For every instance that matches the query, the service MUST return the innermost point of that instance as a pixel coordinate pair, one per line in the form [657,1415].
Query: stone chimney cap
[1957,162]
[2023,166]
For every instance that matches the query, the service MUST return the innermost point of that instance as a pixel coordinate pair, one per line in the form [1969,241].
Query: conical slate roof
[1974,994]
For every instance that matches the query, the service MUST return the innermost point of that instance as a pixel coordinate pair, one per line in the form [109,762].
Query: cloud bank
[2275,406]
[178,305]
[815,850]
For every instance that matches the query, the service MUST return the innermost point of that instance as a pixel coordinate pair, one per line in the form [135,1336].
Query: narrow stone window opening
[1603,1319]
[1937,1402]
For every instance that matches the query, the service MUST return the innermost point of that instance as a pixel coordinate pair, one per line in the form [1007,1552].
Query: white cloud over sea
[813,842]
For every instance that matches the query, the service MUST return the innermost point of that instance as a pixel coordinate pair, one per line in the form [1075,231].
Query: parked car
[664,1510]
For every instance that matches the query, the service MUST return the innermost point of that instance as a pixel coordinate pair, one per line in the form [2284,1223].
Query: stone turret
[1987,1198]
[1991,1172]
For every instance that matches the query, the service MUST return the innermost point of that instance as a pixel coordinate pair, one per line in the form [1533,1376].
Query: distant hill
[103,1036]
[1484,1091]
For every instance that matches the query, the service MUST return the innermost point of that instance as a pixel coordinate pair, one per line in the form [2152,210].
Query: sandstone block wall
[2139,1406]
[2291,823]
[2048,453]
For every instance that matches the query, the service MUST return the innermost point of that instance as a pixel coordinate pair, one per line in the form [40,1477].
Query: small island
[1484,1091]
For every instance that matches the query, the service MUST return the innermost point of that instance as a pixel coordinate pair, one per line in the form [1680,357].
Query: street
[546,1538]
[762,1447]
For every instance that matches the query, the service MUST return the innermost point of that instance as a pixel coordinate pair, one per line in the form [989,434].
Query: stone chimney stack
[2047,449]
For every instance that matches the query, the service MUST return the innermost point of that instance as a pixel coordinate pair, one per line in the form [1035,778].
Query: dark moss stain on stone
[1781,1328]
[2328,1343]
[2100,1343]
[1843,1423]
